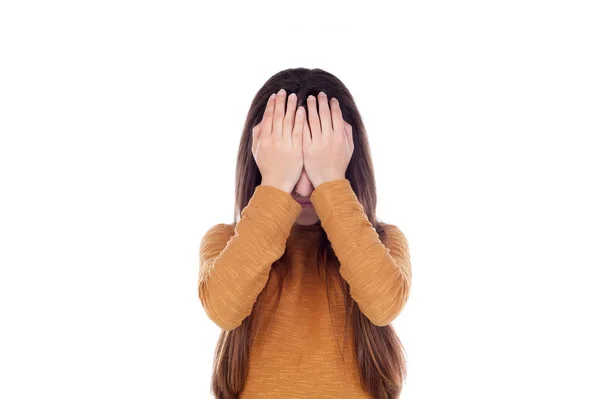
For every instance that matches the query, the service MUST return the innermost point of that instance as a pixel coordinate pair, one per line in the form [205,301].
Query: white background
[120,123]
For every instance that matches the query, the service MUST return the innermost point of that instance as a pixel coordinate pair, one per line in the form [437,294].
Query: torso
[297,354]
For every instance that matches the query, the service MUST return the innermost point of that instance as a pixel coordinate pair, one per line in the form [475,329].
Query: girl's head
[304,82]
[379,352]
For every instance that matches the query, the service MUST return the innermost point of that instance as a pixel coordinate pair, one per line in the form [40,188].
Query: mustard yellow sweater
[299,356]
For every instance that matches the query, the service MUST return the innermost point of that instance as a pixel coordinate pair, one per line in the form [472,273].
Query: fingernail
[281,91]
[272,96]
[293,95]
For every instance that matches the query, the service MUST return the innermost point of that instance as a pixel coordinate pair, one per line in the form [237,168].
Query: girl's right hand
[277,142]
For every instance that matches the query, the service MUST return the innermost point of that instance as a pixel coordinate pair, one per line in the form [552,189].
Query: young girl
[306,283]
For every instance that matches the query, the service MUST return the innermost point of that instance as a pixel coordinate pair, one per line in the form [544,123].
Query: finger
[348,130]
[297,132]
[336,116]
[288,120]
[267,121]
[306,135]
[325,115]
[313,117]
[279,113]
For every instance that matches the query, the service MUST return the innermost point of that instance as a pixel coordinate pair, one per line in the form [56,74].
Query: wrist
[317,182]
[281,186]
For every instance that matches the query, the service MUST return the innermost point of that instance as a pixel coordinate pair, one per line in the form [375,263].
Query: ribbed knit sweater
[298,355]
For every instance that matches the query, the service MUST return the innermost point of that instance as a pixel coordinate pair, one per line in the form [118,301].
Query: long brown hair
[380,354]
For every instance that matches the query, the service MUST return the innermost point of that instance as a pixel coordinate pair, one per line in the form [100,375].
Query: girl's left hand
[328,150]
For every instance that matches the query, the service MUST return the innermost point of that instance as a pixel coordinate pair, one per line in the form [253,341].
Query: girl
[306,283]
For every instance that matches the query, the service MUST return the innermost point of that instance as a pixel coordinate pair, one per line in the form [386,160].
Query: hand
[277,143]
[328,151]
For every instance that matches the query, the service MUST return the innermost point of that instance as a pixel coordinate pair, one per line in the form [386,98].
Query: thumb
[255,136]
[348,129]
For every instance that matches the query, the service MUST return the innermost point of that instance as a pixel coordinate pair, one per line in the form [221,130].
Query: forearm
[234,275]
[378,273]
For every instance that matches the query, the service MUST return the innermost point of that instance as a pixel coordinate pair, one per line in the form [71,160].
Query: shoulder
[389,228]
[390,232]
[218,233]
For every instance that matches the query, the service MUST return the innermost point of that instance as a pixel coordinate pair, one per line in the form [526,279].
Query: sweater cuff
[273,209]
[331,195]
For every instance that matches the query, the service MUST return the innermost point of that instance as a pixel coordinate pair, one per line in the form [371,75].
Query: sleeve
[378,273]
[235,262]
